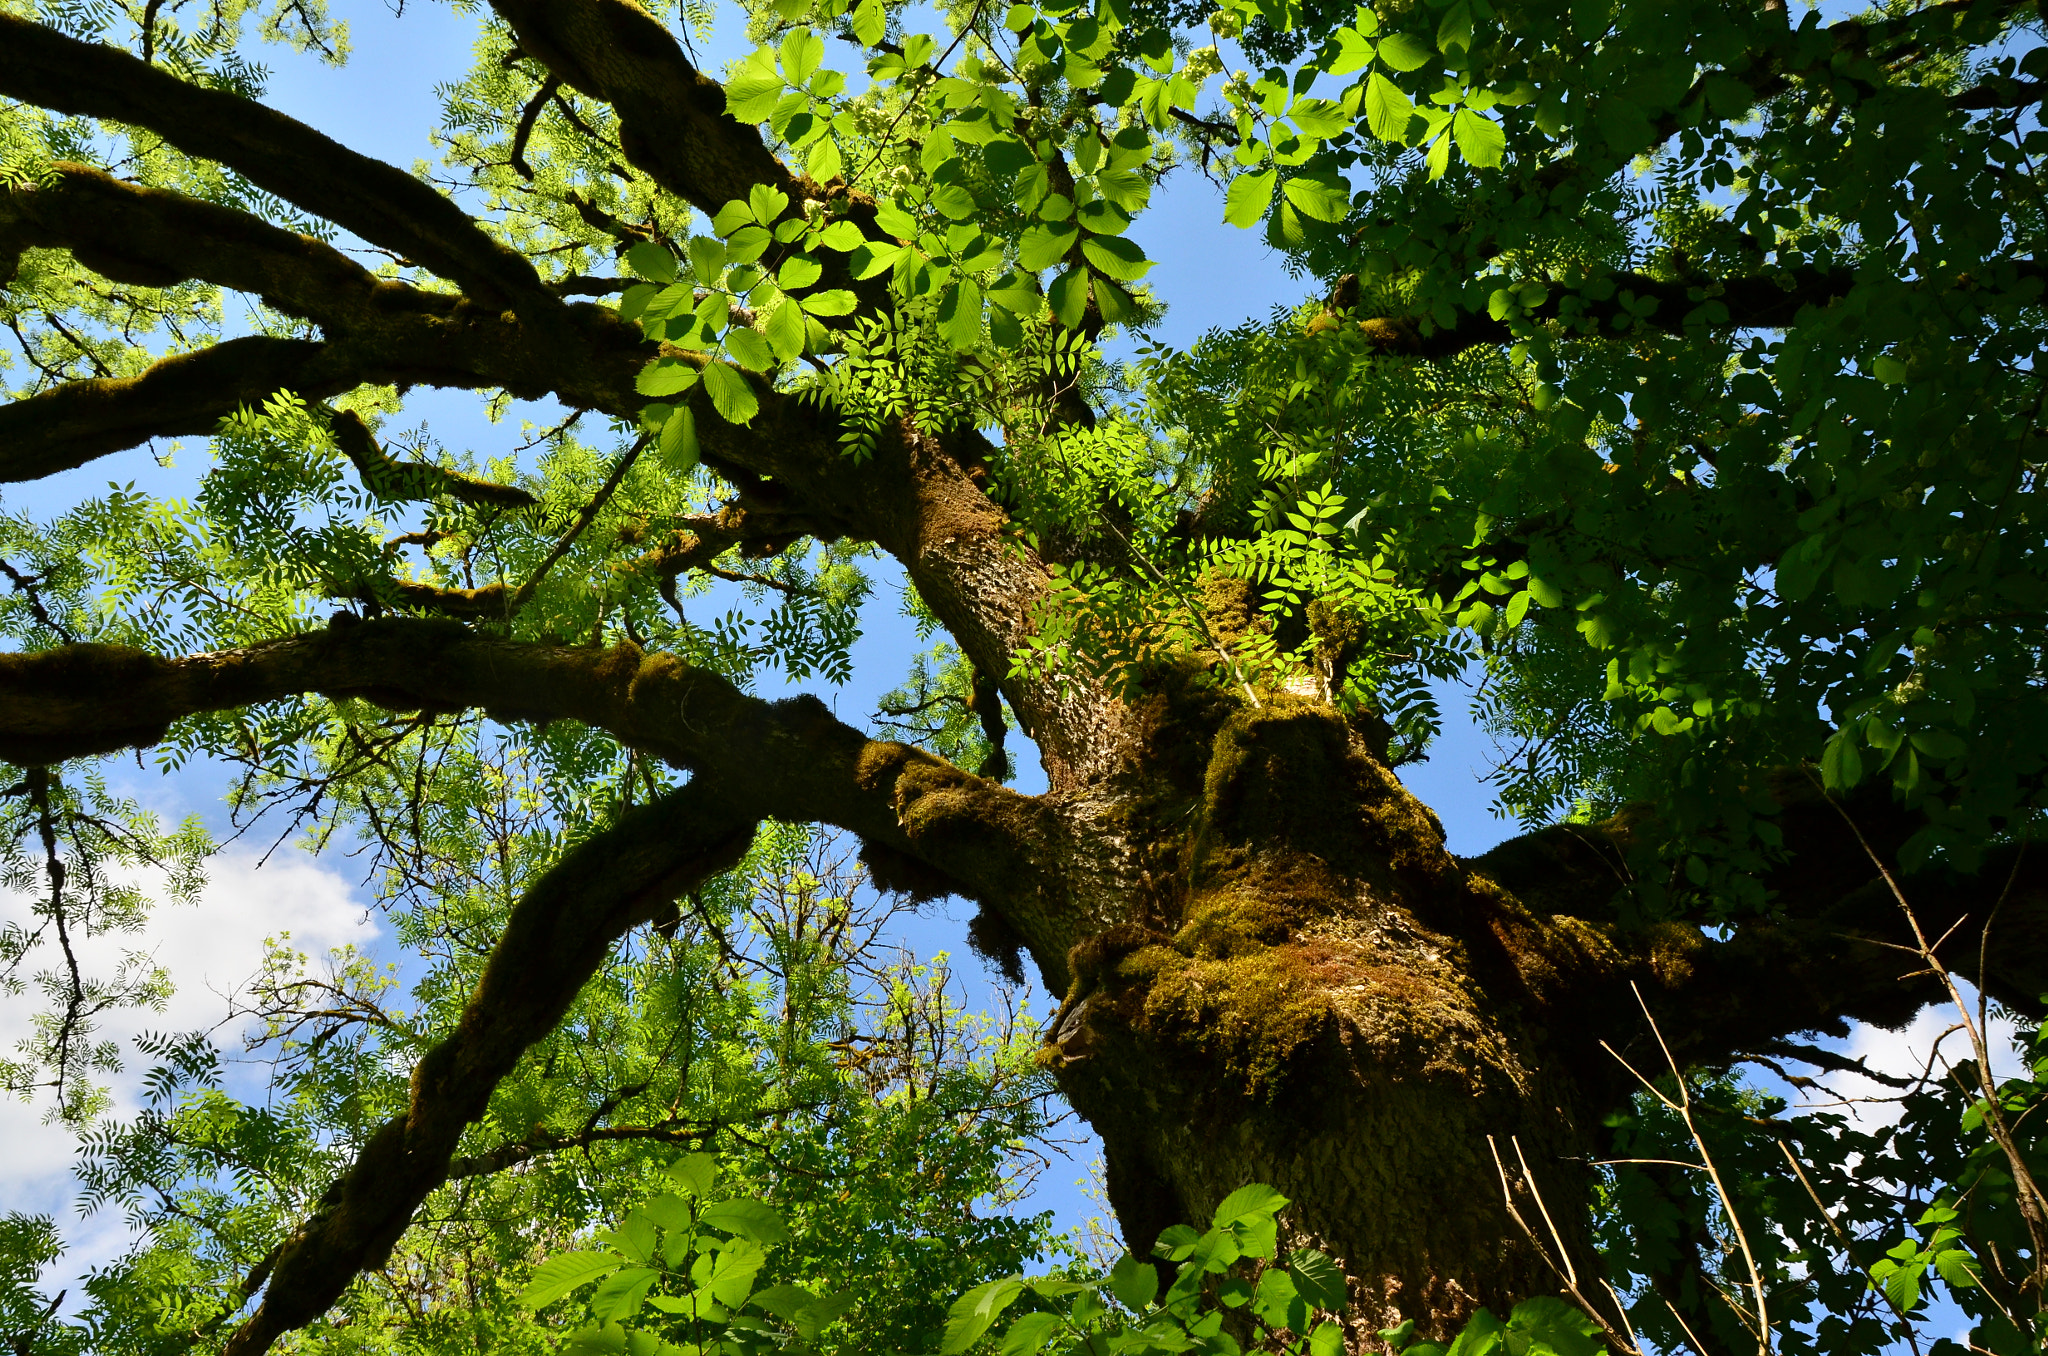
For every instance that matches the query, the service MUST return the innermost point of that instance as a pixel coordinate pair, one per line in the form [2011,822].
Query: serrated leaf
[1480,139]
[1326,1340]
[621,1294]
[749,349]
[665,377]
[1045,244]
[869,22]
[766,203]
[750,1219]
[1388,111]
[564,1272]
[976,1311]
[1324,196]
[1248,197]
[824,163]
[1354,52]
[1318,117]
[1028,1334]
[802,50]
[1406,51]
[1439,157]
[694,1174]
[1246,1202]
[707,258]
[798,271]
[842,236]
[960,314]
[872,257]
[835,301]
[730,394]
[1319,1280]
[1069,297]
[897,222]
[784,330]
[1116,257]
[652,262]
[679,453]
[1133,1282]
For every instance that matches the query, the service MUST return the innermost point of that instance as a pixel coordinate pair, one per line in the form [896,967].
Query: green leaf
[679,453]
[1116,257]
[622,1293]
[749,1219]
[802,50]
[751,95]
[1547,1326]
[872,258]
[1406,52]
[1277,1301]
[1387,110]
[891,217]
[842,236]
[1319,118]
[1133,1282]
[694,1174]
[665,377]
[960,314]
[783,1300]
[1248,197]
[1324,195]
[1247,1202]
[798,271]
[766,203]
[1045,245]
[1481,1337]
[954,201]
[974,1312]
[1888,369]
[785,331]
[707,258]
[749,349]
[1480,139]
[824,163]
[1354,52]
[651,261]
[1319,1280]
[869,22]
[1069,297]
[1327,1339]
[608,1340]
[833,301]
[1028,1334]
[1439,158]
[730,394]
[1841,764]
[564,1272]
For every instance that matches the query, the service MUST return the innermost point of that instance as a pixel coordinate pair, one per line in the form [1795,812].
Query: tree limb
[557,937]
[378,202]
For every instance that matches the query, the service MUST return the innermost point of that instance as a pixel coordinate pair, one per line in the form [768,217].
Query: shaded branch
[378,202]
[557,937]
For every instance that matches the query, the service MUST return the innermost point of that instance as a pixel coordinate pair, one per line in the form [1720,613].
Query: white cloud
[211,949]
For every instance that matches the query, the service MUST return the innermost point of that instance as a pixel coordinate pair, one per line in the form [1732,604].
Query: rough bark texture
[1273,970]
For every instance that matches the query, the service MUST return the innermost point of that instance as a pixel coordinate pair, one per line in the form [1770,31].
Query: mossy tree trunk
[1273,969]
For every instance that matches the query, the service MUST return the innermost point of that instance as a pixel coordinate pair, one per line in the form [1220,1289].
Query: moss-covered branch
[797,761]
[379,202]
[556,939]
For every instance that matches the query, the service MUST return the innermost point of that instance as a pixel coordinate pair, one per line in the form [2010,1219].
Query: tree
[1671,365]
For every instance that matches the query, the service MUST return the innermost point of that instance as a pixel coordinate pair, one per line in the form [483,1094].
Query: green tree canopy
[1668,368]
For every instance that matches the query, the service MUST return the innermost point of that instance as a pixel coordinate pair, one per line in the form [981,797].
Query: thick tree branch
[557,937]
[380,203]
[796,760]
[154,237]
[189,393]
